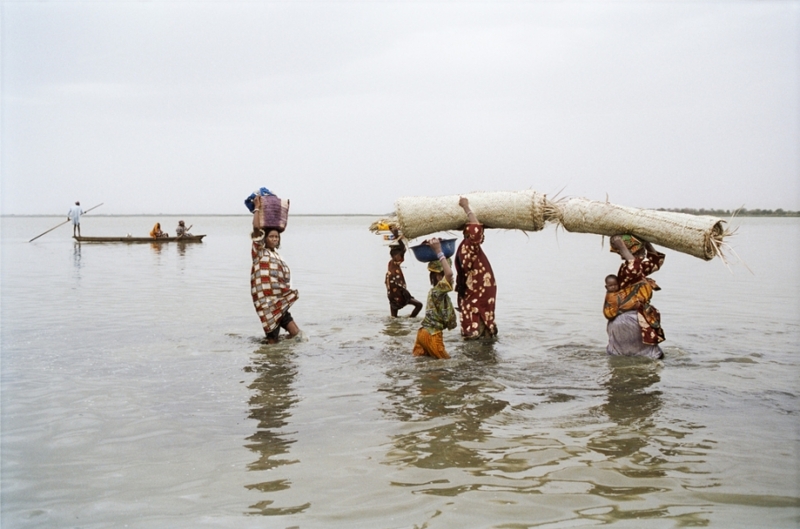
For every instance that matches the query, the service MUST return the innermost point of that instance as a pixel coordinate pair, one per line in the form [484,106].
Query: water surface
[136,391]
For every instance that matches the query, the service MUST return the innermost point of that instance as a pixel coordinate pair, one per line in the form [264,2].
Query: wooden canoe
[129,239]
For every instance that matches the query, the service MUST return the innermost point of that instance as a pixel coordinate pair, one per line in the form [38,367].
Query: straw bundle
[700,236]
[516,210]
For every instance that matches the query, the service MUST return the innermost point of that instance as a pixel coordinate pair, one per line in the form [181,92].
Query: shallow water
[136,391]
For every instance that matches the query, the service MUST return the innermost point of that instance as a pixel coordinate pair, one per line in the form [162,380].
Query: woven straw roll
[700,236]
[516,210]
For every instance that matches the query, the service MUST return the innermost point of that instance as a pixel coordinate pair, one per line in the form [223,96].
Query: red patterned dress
[270,284]
[396,288]
[475,285]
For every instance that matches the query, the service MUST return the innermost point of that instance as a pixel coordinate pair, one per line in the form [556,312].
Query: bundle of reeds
[700,236]
[517,210]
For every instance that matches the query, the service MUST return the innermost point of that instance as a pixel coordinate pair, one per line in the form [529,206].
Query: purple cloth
[625,337]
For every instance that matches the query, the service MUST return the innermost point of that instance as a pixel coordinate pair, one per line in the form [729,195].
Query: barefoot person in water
[475,283]
[270,284]
[634,326]
[439,311]
[396,290]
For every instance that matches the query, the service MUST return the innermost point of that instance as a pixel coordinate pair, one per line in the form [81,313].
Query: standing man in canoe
[74,215]
[475,283]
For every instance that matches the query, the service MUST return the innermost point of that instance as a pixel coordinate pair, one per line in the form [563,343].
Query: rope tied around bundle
[701,236]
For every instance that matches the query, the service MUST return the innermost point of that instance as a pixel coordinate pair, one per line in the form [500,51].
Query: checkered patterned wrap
[270,281]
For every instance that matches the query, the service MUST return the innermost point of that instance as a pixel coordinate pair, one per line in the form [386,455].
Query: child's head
[612,284]
[398,254]
[436,271]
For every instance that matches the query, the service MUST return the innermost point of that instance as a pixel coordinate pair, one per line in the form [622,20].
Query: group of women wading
[634,325]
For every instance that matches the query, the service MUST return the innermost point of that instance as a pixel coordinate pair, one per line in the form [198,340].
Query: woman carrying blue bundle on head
[439,311]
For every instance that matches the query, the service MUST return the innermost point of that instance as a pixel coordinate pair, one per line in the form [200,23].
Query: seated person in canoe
[182,230]
[156,232]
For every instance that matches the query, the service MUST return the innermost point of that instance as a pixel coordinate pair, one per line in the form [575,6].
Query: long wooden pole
[54,227]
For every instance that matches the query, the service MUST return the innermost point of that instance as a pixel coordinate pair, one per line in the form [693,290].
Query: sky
[186,107]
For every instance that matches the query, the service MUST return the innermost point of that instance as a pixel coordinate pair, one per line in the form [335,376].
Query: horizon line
[196,215]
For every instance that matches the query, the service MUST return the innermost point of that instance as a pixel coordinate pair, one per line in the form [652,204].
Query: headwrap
[632,243]
[436,266]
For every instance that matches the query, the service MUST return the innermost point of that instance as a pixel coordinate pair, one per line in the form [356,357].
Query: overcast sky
[342,107]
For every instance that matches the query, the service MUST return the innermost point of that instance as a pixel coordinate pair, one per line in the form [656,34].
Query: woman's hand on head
[435,244]
[617,242]
[464,203]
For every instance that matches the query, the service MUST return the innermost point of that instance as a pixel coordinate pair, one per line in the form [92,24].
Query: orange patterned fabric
[430,344]
[629,298]
[635,293]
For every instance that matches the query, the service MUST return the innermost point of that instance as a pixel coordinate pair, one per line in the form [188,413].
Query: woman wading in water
[475,283]
[634,326]
[270,284]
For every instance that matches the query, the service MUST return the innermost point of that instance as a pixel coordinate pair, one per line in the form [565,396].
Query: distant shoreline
[744,212]
[193,215]
[691,211]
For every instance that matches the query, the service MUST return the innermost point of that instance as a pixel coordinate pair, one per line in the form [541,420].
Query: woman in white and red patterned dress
[270,284]
[475,283]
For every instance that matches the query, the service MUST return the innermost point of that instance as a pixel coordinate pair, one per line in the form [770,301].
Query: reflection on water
[630,405]
[271,405]
[646,453]
[76,255]
[450,403]
[396,327]
[553,443]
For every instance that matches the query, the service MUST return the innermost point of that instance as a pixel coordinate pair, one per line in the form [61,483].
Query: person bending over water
[439,311]
[396,290]
[634,326]
[270,284]
[475,284]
